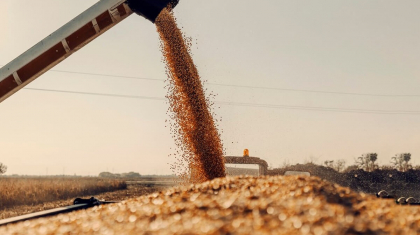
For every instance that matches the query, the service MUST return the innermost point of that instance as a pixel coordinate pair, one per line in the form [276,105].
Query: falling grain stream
[195,130]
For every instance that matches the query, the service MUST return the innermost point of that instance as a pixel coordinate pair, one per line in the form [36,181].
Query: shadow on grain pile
[239,205]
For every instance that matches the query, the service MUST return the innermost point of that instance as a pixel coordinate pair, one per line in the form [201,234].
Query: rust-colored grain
[193,126]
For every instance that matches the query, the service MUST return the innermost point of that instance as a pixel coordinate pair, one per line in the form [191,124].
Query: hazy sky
[358,46]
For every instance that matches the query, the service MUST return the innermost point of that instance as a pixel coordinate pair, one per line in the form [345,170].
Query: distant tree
[351,168]
[407,158]
[131,175]
[106,175]
[361,163]
[372,159]
[3,168]
[329,163]
[367,161]
[339,165]
[336,165]
[285,164]
[397,162]
[401,162]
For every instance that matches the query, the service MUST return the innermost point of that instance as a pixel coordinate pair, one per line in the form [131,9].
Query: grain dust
[193,127]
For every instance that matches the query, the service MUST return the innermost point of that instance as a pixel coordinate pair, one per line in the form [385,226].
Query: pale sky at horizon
[359,46]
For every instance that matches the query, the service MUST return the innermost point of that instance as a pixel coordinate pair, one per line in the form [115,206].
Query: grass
[132,191]
[32,191]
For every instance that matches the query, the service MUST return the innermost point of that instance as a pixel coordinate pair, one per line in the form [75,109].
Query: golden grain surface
[192,124]
[239,205]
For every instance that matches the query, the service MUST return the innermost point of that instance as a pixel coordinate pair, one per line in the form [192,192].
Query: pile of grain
[242,205]
[193,127]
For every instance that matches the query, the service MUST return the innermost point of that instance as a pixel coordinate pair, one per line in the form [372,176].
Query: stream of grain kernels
[195,131]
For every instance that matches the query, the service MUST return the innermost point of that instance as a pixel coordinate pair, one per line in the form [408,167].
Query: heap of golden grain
[241,205]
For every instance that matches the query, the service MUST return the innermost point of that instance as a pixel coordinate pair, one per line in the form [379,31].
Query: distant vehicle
[235,170]
[251,165]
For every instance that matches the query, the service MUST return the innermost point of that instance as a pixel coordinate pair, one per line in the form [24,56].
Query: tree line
[368,162]
[3,168]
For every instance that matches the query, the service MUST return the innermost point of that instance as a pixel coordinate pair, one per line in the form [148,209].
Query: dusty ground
[120,195]
[243,205]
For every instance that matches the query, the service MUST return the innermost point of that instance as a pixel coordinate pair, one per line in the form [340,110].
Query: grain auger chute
[71,37]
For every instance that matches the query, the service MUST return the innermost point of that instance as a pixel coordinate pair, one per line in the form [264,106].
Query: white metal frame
[60,35]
